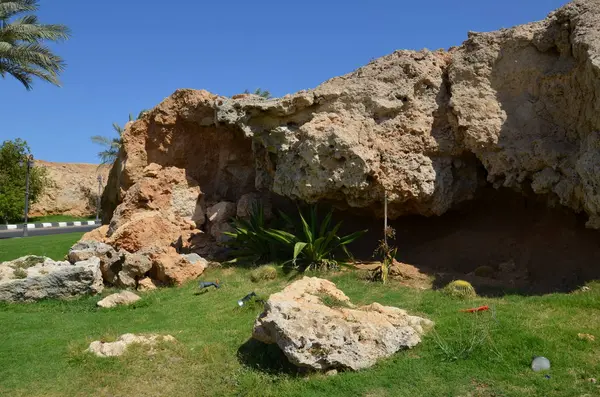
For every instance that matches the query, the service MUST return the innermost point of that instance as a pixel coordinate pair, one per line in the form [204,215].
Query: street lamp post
[28,164]
[98,198]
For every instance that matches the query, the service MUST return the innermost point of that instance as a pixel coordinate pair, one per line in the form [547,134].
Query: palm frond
[10,8]
[22,52]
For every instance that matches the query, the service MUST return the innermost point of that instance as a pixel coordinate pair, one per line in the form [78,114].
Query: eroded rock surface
[118,348]
[34,278]
[317,327]
[517,108]
[73,189]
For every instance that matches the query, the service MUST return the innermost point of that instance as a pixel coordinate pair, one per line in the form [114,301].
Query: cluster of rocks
[142,271]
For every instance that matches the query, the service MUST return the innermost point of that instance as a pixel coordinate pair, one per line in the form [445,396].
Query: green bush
[19,273]
[265,272]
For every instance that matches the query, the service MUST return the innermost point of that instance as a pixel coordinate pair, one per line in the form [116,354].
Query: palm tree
[22,52]
[113,145]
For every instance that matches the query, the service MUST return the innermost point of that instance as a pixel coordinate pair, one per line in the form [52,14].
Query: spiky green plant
[23,53]
[250,242]
[314,243]
[460,289]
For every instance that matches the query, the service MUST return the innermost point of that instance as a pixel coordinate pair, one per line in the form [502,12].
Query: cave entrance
[530,248]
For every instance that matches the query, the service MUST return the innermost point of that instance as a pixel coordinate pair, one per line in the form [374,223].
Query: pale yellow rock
[73,189]
[118,299]
[317,327]
[117,348]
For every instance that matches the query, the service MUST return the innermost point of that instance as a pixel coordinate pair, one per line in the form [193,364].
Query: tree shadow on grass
[266,358]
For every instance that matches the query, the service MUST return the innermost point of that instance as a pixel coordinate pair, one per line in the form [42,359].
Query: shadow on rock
[265,358]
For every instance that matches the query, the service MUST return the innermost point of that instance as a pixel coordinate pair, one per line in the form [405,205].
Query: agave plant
[250,242]
[314,243]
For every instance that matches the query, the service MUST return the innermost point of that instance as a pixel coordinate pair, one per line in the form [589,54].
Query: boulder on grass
[119,299]
[24,280]
[317,327]
[117,348]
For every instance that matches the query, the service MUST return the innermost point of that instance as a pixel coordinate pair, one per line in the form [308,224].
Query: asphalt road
[47,231]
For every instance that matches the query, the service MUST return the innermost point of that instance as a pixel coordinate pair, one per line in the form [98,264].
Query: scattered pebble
[587,337]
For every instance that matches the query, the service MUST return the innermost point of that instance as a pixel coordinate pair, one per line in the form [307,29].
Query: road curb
[49,224]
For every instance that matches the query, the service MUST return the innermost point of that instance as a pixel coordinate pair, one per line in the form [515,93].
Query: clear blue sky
[127,55]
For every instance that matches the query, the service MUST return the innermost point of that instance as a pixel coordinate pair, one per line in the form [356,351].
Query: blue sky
[127,55]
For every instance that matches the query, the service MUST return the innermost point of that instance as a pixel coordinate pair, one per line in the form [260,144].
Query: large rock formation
[317,327]
[72,189]
[34,278]
[518,108]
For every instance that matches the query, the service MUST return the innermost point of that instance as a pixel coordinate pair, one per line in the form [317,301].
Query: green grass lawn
[54,246]
[486,354]
[60,218]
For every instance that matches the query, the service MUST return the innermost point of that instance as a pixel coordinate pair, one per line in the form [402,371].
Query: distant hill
[73,189]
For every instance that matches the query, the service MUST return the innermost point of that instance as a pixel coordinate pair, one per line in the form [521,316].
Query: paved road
[47,231]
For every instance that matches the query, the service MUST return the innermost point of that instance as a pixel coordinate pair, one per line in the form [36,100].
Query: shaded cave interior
[551,249]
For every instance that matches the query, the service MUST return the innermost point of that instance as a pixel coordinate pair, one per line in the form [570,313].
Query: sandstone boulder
[24,280]
[118,299]
[172,268]
[219,216]
[135,267]
[98,234]
[117,348]
[157,210]
[317,327]
[146,284]
[111,260]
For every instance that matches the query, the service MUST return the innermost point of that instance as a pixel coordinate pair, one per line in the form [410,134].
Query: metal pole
[98,198]
[29,161]
[385,223]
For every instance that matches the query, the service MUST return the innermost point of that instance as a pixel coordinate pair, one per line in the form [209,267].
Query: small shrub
[332,302]
[469,335]
[28,262]
[460,289]
[388,254]
[19,273]
[484,271]
[266,272]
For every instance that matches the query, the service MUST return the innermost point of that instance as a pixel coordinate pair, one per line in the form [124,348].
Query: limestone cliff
[72,189]
[517,108]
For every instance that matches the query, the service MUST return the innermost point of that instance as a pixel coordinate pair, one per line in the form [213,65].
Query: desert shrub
[312,242]
[265,272]
[460,289]
[28,262]
[19,273]
[467,336]
[484,271]
[388,255]
[333,302]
